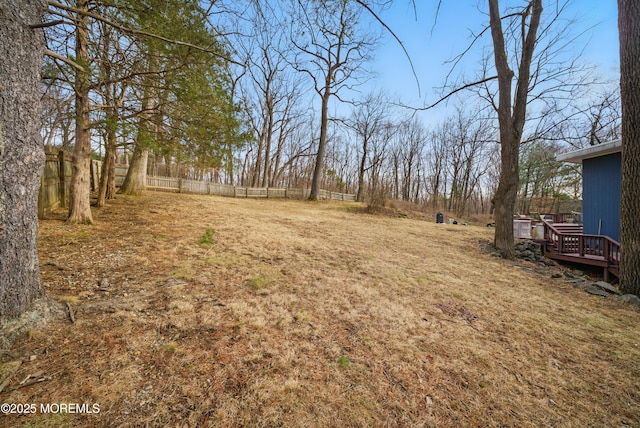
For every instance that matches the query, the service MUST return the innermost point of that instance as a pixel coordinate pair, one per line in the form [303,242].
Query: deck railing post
[581,245]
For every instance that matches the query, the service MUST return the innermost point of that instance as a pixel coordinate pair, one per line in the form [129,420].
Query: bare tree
[469,134]
[332,49]
[271,90]
[410,140]
[378,179]
[57,110]
[112,90]
[368,121]
[437,158]
[629,25]
[511,114]
[605,119]
[542,177]
[598,122]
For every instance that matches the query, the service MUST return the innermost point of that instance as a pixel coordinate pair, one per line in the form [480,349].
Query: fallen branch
[33,382]
[207,252]
[38,374]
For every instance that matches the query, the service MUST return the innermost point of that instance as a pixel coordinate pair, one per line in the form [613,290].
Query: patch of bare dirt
[207,311]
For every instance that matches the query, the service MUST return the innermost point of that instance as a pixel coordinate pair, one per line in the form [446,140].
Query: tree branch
[404,49]
[455,91]
[47,24]
[67,61]
[140,32]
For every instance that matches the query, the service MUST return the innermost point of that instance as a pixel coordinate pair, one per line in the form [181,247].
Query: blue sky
[430,46]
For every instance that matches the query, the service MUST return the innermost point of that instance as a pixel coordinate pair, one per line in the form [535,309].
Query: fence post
[63,179]
[180,185]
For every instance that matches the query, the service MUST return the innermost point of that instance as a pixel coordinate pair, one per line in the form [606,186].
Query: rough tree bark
[136,179]
[322,144]
[107,187]
[511,117]
[80,195]
[21,154]
[629,26]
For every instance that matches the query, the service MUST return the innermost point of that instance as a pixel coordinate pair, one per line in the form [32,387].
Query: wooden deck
[566,242]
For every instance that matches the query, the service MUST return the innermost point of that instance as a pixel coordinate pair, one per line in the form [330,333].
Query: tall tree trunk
[111,180]
[80,197]
[106,188]
[505,197]
[21,154]
[322,144]
[107,177]
[258,165]
[629,26]
[361,170]
[511,118]
[267,153]
[136,179]
[276,163]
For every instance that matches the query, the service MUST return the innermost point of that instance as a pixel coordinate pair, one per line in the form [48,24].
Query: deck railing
[583,245]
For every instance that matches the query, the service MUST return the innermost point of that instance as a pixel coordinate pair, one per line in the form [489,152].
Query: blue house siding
[601,195]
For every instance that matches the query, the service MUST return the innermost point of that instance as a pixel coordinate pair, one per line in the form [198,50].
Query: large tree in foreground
[629,26]
[21,154]
[512,114]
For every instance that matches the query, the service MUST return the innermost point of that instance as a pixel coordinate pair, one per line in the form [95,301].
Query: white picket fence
[182,185]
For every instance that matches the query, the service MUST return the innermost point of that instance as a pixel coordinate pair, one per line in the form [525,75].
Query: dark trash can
[439,218]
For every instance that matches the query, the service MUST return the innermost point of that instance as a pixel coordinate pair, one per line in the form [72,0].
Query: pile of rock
[597,288]
[530,251]
[524,249]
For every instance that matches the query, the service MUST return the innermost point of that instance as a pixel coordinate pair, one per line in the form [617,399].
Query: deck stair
[566,242]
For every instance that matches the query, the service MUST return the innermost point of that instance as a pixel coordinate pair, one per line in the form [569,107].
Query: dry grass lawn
[205,311]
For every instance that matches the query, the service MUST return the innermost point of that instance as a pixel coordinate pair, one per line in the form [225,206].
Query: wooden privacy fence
[55,183]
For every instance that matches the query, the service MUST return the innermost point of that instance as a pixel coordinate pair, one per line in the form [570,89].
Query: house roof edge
[577,156]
